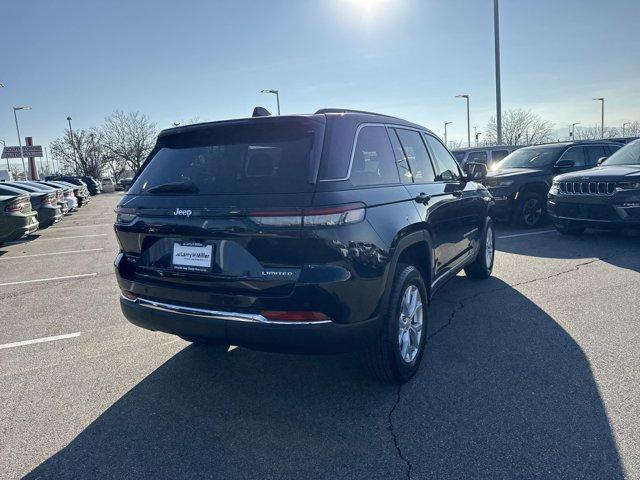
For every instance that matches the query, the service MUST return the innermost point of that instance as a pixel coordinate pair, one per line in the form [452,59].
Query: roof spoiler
[260,112]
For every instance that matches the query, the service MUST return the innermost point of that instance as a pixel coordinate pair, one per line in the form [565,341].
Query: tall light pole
[624,125]
[445,133]
[73,143]
[601,99]
[572,130]
[466,96]
[15,116]
[277,94]
[496,35]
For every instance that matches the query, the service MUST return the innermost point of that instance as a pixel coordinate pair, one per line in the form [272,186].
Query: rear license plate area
[192,257]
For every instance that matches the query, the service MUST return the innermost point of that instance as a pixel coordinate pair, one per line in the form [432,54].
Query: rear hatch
[218,207]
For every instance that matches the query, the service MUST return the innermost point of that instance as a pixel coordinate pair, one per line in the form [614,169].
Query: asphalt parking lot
[534,373]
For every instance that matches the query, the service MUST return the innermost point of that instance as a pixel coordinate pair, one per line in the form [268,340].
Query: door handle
[423,198]
[457,193]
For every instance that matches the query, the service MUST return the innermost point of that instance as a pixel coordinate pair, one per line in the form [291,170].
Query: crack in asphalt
[395,437]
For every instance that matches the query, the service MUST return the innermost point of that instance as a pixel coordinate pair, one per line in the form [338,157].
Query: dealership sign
[27,151]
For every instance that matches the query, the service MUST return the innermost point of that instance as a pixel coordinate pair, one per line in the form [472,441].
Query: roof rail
[347,110]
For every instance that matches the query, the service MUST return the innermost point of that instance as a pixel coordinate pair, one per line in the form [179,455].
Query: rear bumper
[249,330]
[18,226]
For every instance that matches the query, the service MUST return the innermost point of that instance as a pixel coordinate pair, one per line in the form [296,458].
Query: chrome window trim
[355,144]
[214,314]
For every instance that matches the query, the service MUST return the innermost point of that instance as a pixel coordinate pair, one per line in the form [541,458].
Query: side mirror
[475,171]
[560,164]
[601,159]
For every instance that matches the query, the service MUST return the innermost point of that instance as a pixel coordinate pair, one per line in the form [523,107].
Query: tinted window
[593,154]
[373,159]
[477,157]
[447,167]
[530,157]
[611,149]
[256,157]
[417,155]
[498,155]
[459,156]
[401,159]
[576,154]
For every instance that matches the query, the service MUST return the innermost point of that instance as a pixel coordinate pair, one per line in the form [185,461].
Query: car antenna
[261,112]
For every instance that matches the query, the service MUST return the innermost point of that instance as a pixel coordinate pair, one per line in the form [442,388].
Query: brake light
[132,297]
[311,217]
[50,199]
[17,205]
[125,214]
[281,316]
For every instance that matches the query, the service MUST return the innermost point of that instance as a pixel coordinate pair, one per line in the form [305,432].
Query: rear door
[220,207]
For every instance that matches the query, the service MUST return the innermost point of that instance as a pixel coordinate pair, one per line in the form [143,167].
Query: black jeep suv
[604,197]
[521,181]
[309,233]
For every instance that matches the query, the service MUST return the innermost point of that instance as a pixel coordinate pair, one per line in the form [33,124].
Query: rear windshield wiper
[181,187]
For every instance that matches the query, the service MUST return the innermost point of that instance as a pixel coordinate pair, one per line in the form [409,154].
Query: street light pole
[624,125]
[73,144]
[15,116]
[601,99]
[445,133]
[496,31]
[466,96]
[276,93]
[572,130]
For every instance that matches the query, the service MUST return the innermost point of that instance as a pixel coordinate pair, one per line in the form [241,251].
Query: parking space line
[83,226]
[40,340]
[52,279]
[40,239]
[528,233]
[52,253]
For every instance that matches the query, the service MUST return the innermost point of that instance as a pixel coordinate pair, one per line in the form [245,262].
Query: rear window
[252,158]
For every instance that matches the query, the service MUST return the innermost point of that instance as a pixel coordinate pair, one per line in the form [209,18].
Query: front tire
[395,355]
[531,210]
[482,266]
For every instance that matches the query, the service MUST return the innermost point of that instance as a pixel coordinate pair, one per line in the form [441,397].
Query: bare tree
[520,127]
[595,133]
[82,154]
[632,130]
[128,139]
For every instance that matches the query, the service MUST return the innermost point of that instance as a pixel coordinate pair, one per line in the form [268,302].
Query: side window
[498,155]
[478,157]
[611,149]
[401,159]
[576,154]
[373,159]
[417,155]
[448,170]
[593,154]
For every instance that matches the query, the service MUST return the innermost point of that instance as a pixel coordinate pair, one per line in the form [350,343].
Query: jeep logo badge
[185,213]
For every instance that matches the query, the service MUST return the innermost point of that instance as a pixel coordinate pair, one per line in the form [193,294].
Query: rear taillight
[60,196]
[132,297]
[125,214]
[311,217]
[282,316]
[17,205]
[50,199]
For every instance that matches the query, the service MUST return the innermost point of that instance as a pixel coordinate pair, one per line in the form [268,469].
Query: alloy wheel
[410,324]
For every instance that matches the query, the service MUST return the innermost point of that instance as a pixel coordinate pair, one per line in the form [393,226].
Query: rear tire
[395,355]
[531,210]
[212,345]
[482,266]
[564,230]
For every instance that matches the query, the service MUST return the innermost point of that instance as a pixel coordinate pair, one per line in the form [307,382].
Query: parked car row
[521,181]
[26,206]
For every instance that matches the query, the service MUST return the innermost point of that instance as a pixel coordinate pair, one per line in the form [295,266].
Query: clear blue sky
[175,60]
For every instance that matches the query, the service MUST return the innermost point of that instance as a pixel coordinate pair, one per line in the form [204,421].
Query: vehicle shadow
[503,392]
[618,248]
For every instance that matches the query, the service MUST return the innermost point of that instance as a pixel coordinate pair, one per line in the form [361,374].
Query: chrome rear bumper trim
[214,314]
